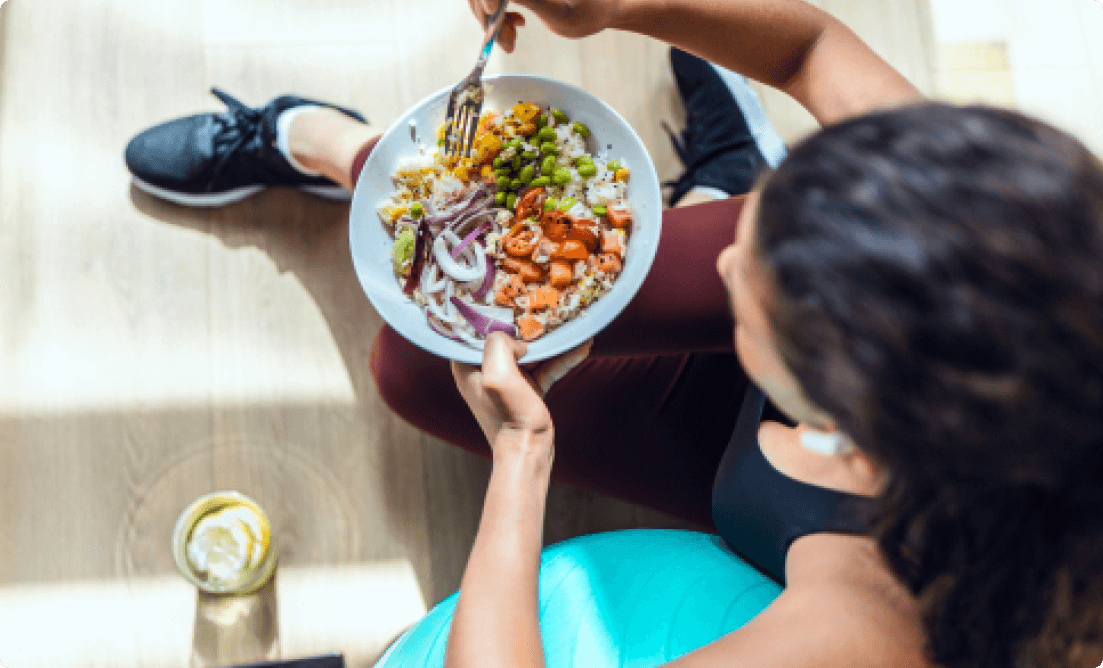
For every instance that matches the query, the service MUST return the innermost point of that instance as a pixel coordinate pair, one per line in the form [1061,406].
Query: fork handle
[493,26]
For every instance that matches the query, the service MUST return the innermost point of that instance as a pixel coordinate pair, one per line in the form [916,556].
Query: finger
[507,38]
[489,7]
[500,357]
[555,369]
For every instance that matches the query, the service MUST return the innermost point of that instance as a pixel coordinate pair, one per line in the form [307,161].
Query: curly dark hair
[937,287]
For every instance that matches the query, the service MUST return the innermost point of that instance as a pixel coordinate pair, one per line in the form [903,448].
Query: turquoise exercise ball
[625,599]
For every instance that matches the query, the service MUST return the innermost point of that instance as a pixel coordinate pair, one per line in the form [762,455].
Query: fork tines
[460,134]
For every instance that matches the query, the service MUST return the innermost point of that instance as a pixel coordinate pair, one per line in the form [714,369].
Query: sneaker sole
[766,138]
[230,196]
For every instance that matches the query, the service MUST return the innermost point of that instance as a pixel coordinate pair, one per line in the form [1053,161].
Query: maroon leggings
[648,415]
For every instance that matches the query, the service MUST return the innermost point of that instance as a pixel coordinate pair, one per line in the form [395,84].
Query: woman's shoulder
[840,585]
[841,621]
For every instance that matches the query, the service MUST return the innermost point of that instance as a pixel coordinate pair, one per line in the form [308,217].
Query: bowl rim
[361,210]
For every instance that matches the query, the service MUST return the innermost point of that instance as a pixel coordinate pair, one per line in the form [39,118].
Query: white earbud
[825,443]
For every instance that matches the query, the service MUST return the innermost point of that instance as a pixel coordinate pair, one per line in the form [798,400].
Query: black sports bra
[760,511]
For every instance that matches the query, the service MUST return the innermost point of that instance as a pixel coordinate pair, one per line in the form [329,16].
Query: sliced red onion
[488,282]
[457,271]
[468,239]
[482,324]
[473,341]
[430,283]
[499,313]
[440,329]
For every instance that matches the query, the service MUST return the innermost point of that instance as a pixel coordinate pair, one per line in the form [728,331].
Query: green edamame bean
[528,155]
[583,160]
[581,129]
[587,169]
[503,182]
[417,210]
[515,163]
[540,182]
[499,198]
[612,166]
[528,173]
[547,166]
[599,210]
[549,148]
[561,176]
[542,121]
[546,134]
[497,162]
[516,184]
[511,201]
[566,203]
[559,116]
[550,204]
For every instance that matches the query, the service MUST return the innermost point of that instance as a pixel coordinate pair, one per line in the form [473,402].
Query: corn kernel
[487,171]
[623,174]
[525,112]
[397,212]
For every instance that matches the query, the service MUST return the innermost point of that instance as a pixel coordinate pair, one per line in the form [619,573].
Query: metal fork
[468,95]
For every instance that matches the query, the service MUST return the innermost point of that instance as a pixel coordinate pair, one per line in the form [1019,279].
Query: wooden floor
[149,353]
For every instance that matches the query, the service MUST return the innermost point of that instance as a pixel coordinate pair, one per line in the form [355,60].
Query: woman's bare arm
[787,44]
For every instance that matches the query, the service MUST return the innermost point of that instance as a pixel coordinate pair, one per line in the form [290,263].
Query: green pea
[559,116]
[528,155]
[542,121]
[511,201]
[548,165]
[561,176]
[516,162]
[549,148]
[417,210]
[599,210]
[440,142]
[550,204]
[612,166]
[583,160]
[587,169]
[516,184]
[403,250]
[540,182]
[514,143]
[528,173]
[581,129]
[498,162]
[566,203]
[499,198]
[503,171]
[503,182]
[546,134]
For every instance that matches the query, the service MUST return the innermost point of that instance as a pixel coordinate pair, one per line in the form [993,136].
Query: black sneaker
[717,148]
[215,159]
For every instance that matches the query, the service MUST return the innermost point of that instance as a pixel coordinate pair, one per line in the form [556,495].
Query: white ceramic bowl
[371,242]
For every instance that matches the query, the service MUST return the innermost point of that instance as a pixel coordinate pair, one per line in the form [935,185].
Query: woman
[919,288]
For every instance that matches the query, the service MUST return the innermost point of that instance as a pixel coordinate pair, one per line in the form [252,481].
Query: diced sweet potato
[560,274]
[543,297]
[529,328]
[585,232]
[529,271]
[611,242]
[571,250]
[619,216]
